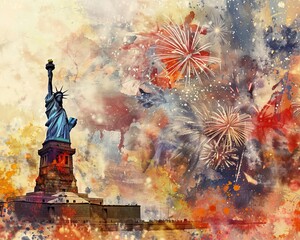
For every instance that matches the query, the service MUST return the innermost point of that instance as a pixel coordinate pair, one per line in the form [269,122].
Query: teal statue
[59,126]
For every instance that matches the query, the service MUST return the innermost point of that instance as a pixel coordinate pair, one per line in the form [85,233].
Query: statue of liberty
[59,126]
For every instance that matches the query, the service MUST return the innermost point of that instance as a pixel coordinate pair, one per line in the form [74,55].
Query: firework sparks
[218,155]
[228,125]
[217,29]
[296,109]
[187,129]
[183,53]
[189,122]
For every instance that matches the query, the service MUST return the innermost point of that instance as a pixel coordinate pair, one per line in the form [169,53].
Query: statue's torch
[50,67]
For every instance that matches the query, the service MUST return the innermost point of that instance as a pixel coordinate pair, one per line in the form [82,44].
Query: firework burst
[183,52]
[229,126]
[187,129]
[218,155]
[217,29]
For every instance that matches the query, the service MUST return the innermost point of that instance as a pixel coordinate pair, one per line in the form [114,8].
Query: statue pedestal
[56,168]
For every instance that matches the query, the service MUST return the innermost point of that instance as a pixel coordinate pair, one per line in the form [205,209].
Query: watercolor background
[141,149]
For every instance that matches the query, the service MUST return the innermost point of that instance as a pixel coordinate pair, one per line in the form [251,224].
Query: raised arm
[50,67]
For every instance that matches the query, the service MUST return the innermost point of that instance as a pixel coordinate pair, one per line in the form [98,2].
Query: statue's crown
[60,92]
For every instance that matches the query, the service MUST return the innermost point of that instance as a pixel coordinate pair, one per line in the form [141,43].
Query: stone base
[68,207]
[56,168]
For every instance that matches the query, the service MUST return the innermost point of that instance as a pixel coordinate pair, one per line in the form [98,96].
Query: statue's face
[59,98]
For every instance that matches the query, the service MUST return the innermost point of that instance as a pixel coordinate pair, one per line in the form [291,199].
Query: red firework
[183,52]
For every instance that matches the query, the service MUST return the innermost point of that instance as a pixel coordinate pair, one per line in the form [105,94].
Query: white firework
[217,29]
[218,155]
[229,126]
[182,50]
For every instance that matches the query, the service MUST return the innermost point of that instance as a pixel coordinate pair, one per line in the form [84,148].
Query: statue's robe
[59,126]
